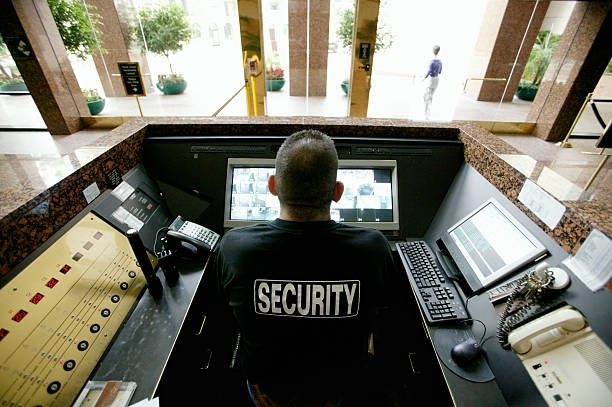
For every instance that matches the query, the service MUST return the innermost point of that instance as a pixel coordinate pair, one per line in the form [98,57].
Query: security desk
[511,385]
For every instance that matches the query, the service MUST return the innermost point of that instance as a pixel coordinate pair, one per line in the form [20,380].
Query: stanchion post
[252,69]
[139,106]
[565,143]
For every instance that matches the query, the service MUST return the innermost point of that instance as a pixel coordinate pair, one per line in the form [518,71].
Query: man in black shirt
[304,289]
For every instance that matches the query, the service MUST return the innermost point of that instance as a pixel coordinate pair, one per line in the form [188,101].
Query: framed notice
[132,79]
[364,50]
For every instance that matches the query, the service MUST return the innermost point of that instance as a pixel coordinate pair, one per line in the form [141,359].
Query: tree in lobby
[79,25]
[164,31]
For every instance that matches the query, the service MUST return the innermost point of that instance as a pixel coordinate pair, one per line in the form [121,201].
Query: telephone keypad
[199,232]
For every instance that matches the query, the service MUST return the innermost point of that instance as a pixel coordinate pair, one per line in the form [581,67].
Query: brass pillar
[249,13]
[364,39]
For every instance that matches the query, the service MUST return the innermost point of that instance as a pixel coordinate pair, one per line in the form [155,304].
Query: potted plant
[526,90]
[95,102]
[274,74]
[537,63]
[275,78]
[164,31]
[12,84]
[171,84]
[345,85]
[10,78]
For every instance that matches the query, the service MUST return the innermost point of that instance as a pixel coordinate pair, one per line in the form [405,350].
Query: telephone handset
[186,236]
[531,297]
[551,329]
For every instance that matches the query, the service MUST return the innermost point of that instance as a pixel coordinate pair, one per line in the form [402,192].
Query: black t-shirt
[305,297]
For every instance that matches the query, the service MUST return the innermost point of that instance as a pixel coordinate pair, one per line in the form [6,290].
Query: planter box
[172,87]
[526,93]
[274,84]
[345,87]
[96,106]
[14,87]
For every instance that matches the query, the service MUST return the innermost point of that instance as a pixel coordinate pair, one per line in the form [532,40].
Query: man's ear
[338,191]
[272,185]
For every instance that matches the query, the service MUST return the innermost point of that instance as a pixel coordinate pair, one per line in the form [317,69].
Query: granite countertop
[41,193]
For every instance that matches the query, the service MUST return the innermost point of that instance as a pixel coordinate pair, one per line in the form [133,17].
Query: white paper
[123,191]
[147,403]
[544,206]
[592,264]
[91,192]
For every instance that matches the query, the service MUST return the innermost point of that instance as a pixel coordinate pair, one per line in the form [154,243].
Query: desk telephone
[568,363]
[185,236]
[531,295]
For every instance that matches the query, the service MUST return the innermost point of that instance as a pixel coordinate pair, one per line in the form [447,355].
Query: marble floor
[575,170]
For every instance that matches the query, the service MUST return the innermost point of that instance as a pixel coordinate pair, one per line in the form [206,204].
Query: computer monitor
[369,199]
[489,244]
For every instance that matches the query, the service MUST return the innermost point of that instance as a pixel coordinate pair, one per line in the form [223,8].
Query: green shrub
[384,38]
[91,95]
[540,57]
[79,26]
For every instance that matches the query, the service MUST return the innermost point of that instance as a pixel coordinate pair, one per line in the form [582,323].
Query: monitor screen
[489,244]
[369,198]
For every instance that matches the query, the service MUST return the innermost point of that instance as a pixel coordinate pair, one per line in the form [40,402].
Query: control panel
[61,312]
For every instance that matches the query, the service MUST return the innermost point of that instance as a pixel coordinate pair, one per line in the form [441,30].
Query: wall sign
[364,50]
[19,48]
[132,79]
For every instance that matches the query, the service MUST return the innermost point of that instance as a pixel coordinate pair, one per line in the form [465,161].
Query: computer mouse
[465,352]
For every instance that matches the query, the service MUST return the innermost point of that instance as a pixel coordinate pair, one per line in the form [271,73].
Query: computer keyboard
[435,293]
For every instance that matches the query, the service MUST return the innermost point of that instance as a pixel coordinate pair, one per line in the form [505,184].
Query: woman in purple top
[433,73]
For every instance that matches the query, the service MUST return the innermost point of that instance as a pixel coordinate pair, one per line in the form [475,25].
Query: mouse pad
[444,339]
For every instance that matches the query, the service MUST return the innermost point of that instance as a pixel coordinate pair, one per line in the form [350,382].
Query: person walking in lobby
[433,74]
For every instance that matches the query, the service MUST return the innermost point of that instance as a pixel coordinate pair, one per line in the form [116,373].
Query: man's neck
[303,214]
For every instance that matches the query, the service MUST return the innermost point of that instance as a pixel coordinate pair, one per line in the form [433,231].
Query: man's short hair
[306,169]
[436,49]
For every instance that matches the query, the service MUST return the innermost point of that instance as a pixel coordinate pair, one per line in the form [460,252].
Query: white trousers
[429,92]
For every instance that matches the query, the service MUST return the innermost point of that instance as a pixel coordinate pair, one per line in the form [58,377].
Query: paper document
[592,264]
[147,403]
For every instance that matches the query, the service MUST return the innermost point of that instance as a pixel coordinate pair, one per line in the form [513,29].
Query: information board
[132,79]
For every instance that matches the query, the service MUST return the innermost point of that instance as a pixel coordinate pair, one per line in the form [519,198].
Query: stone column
[308,47]
[502,37]
[113,41]
[29,30]
[579,61]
